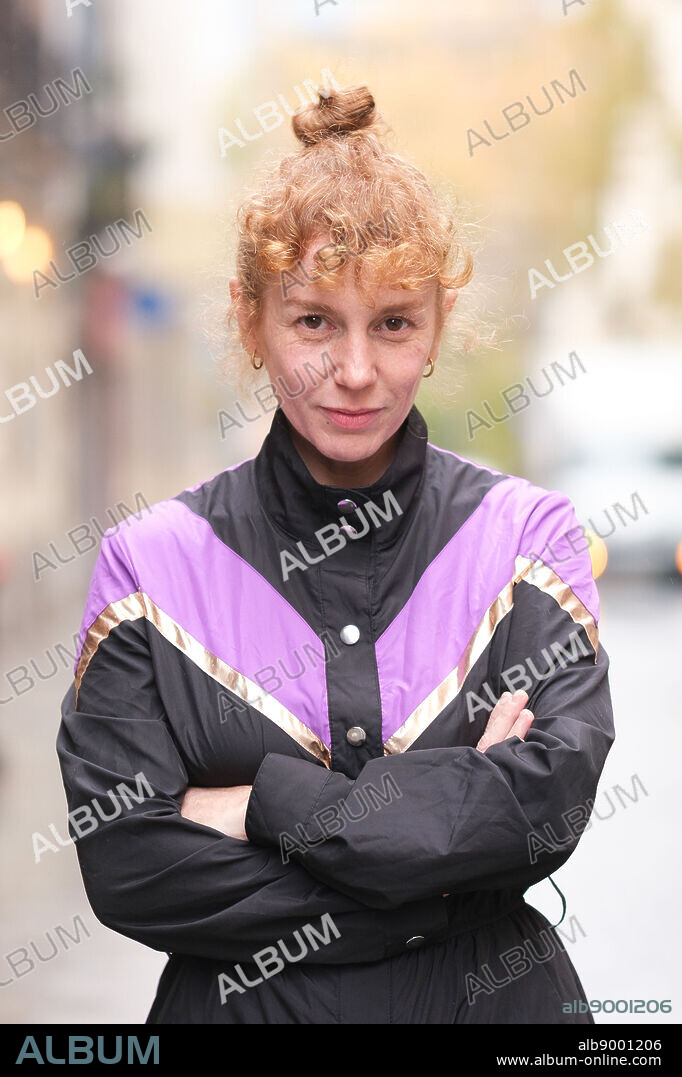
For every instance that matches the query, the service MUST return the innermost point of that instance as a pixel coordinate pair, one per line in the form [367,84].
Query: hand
[223,808]
[507,719]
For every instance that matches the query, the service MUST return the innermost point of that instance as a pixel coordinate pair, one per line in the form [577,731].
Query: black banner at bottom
[501,1047]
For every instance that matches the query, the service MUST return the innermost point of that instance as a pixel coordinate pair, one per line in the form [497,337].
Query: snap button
[414,942]
[345,504]
[349,529]
[356,735]
[350,634]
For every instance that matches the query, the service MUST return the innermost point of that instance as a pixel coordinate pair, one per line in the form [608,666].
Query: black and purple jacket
[340,650]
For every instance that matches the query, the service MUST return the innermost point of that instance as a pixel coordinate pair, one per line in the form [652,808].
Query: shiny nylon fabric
[460,981]
[474,576]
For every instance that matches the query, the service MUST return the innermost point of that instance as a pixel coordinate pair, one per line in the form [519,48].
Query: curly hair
[378,210]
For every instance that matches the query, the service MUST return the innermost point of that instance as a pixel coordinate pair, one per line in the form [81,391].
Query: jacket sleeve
[456,819]
[166,881]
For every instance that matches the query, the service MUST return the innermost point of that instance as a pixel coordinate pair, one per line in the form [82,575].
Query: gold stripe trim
[546,579]
[140,605]
[542,577]
[449,688]
[126,609]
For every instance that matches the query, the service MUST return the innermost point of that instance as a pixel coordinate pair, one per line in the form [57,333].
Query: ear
[245,333]
[449,300]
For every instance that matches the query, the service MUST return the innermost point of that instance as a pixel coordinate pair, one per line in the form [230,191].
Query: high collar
[299,505]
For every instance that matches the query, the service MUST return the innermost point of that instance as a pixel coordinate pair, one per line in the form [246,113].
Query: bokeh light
[12,227]
[34,252]
[598,553]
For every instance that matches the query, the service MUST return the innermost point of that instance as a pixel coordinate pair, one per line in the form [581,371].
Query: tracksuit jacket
[340,650]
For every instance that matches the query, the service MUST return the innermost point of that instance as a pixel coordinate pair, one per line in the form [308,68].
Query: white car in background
[630,497]
[611,439]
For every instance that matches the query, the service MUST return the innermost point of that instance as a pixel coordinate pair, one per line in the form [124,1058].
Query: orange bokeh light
[12,227]
[34,252]
[598,553]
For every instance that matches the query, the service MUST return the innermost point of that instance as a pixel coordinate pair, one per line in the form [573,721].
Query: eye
[311,321]
[393,324]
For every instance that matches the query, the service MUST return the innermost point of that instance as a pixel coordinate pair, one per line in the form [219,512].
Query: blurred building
[138,134]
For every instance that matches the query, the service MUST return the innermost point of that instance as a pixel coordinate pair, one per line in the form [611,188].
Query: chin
[348,448]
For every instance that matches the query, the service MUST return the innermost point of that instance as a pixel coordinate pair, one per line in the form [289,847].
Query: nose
[355,362]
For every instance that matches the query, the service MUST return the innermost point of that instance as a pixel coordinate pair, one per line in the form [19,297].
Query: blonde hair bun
[340,113]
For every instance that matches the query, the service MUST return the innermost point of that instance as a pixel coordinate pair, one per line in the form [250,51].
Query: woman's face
[346,417]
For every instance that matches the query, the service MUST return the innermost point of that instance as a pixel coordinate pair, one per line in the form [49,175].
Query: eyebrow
[412,305]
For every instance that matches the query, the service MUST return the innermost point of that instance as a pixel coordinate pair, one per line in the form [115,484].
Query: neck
[351,473]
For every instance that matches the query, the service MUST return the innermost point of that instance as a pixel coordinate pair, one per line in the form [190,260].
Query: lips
[351,419]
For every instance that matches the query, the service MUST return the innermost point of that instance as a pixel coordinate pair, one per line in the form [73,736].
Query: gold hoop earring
[431,365]
[253,362]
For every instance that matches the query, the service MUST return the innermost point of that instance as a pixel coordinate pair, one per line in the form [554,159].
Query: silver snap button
[349,529]
[356,735]
[414,942]
[350,634]
[345,504]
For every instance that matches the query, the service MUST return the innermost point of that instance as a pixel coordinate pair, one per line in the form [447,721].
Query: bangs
[371,211]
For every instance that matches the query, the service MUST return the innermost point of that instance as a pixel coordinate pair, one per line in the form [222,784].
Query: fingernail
[505,696]
[518,696]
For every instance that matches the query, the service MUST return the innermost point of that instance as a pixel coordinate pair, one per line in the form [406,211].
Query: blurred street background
[113,111]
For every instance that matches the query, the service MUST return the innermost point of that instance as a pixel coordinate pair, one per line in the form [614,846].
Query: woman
[349,842]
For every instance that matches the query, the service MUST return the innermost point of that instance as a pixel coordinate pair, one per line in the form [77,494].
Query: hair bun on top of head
[339,114]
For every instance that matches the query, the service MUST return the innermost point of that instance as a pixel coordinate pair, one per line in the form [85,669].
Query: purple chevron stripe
[427,639]
[553,535]
[111,580]
[212,593]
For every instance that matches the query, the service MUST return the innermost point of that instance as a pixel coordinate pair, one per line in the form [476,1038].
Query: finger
[506,710]
[502,717]
[521,725]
